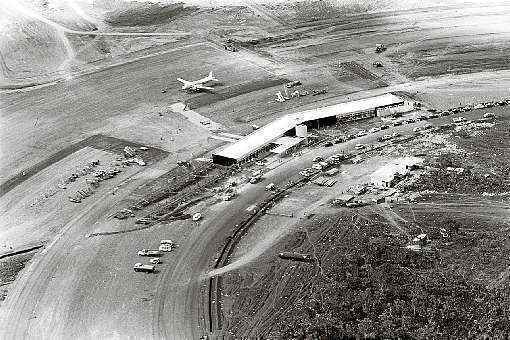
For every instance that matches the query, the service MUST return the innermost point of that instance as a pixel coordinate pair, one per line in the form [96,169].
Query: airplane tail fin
[211,77]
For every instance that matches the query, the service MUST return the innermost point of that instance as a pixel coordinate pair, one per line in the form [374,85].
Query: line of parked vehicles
[165,246]
[431,114]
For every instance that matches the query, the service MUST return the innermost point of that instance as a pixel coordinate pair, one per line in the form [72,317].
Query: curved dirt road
[85,287]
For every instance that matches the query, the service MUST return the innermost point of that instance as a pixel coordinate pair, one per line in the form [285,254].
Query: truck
[146,268]
[230,45]
[318,166]
[147,252]
[293,83]
[356,204]
[296,257]
[379,48]
[255,179]
[270,186]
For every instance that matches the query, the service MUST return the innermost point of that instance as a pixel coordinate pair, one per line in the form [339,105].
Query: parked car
[167,245]
[147,268]
[147,252]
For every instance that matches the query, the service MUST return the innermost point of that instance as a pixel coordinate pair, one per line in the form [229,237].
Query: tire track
[99,141]
[215,316]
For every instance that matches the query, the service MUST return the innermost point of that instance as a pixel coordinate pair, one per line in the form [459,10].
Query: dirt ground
[363,281]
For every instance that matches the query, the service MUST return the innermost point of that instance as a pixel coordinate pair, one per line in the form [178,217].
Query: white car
[166,248]
[374,130]
[197,216]
[167,245]
[155,260]
[361,133]
[146,252]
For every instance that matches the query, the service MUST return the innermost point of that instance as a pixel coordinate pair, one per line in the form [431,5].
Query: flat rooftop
[285,143]
[268,133]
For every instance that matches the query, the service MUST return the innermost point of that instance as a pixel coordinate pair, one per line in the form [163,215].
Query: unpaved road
[86,288]
[40,302]
[25,12]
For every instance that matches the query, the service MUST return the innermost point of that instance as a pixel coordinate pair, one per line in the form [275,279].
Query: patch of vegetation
[368,285]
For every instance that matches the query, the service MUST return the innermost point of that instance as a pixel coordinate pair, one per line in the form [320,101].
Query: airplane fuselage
[197,85]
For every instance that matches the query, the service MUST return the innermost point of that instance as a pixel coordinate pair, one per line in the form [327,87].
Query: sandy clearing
[37,208]
[197,119]
[271,228]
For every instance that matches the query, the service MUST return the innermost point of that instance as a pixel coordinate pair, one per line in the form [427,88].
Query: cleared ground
[85,287]
[365,282]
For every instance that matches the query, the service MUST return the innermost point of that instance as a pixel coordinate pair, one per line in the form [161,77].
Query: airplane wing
[202,81]
[185,84]
[202,87]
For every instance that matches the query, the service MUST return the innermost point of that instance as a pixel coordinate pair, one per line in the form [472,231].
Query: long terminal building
[271,136]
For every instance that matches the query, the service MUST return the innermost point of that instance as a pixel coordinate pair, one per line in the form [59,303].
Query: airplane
[197,85]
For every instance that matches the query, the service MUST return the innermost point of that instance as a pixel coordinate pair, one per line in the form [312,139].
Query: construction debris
[123,214]
[324,181]
[342,199]
[129,152]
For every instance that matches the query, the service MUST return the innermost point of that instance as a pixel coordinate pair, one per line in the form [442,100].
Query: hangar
[261,140]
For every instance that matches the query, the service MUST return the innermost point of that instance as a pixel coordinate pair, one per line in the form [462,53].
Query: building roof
[400,166]
[268,133]
[285,143]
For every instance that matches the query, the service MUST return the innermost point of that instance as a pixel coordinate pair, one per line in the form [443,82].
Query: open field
[124,101]
[115,66]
